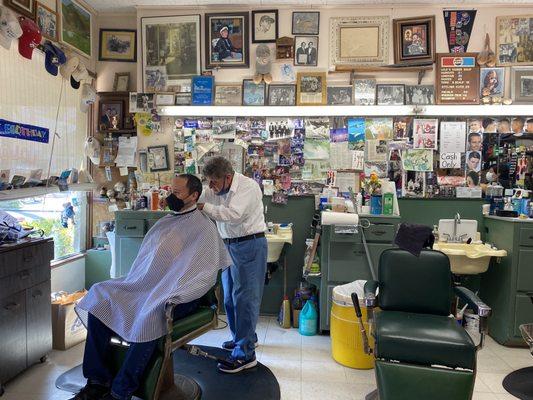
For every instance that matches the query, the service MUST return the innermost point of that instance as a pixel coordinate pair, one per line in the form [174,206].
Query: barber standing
[234,201]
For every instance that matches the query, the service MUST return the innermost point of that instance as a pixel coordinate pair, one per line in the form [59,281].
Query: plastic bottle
[308,321]
[359,201]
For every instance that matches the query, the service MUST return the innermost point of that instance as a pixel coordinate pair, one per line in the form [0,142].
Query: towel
[413,238]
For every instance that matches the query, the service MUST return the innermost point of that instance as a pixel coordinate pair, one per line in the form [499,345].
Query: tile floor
[302,365]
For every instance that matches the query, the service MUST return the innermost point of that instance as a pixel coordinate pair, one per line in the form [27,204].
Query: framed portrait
[226,40]
[158,158]
[305,22]
[364,92]
[306,52]
[121,82]
[170,50]
[46,20]
[522,85]
[340,95]
[76,27]
[362,41]
[265,26]
[414,40]
[164,99]
[110,115]
[419,94]
[183,99]
[311,88]
[281,95]
[491,82]
[24,7]
[253,94]
[228,95]
[390,95]
[145,102]
[118,45]
[514,42]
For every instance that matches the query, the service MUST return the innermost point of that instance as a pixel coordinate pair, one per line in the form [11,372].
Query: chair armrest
[473,301]
[371,287]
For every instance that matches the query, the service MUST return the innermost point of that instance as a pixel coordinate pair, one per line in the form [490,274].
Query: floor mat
[520,383]
[257,383]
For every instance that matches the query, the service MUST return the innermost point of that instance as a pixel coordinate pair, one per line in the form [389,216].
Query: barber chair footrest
[184,388]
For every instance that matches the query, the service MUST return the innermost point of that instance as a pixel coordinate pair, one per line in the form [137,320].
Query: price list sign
[457,79]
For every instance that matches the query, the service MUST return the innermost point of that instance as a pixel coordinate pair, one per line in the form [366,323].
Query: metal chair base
[184,388]
[373,395]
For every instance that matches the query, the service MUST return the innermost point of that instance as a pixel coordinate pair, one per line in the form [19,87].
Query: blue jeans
[127,380]
[243,285]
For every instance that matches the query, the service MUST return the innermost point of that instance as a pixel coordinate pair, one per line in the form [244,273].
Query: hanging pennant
[459,25]
[17,130]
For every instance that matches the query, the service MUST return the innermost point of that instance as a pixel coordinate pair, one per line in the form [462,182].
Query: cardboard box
[67,328]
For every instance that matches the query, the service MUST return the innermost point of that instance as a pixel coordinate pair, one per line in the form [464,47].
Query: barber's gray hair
[217,167]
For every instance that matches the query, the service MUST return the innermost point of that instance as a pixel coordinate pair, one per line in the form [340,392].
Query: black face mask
[175,203]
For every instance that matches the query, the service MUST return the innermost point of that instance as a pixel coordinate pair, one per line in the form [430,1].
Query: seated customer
[178,263]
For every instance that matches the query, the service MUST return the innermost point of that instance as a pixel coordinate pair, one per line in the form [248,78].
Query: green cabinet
[343,257]
[507,286]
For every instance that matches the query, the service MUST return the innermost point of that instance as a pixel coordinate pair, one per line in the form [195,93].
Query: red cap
[31,37]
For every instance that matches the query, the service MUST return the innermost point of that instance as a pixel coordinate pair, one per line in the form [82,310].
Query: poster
[450,160]
[417,160]
[452,137]
[356,133]
[358,160]
[317,128]
[341,156]
[379,128]
[414,184]
[376,150]
[315,149]
[425,133]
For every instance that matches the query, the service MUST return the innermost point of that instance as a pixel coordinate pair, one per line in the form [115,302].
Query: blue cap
[54,57]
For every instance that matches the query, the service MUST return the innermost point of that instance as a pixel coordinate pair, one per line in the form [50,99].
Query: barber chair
[420,351]
[159,374]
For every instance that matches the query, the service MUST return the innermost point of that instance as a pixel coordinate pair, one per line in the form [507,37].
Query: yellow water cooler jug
[346,341]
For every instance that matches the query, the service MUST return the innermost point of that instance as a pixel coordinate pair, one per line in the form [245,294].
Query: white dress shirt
[240,211]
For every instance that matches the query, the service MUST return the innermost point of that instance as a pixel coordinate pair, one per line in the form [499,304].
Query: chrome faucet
[456,238]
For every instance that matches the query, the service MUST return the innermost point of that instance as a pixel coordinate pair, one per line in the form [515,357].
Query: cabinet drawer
[12,335]
[150,223]
[380,233]
[131,228]
[523,311]
[344,237]
[24,279]
[526,237]
[347,262]
[525,271]
[26,258]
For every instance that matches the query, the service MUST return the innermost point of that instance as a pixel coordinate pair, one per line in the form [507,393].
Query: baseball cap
[78,75]
[30,39]
[224,28]
[54,57]
[88,97]
[9,27]
[69,67]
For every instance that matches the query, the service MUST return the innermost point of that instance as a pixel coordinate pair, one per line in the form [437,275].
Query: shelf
[15,194]
[340,111]
[384,68]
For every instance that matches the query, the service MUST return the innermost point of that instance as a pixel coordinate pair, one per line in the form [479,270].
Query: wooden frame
[276,27]
[211,42]
[516,76]
[167,160]
[103,127]
[152,60]
[402,47]
[300,76]
[132,56]
[349,41]
[19,8]
[118,75]
[64,26]
[466,61]
[522,32]
[395,103]
[289,86]
[339,102]
[305,32]
[245,103]
[39,5]
[237,99]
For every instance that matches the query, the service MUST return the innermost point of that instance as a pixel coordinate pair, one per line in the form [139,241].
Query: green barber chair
[420,351]
[159,380]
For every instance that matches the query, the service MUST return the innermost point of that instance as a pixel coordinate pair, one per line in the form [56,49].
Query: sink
[468,259]
[276,241]
[467,228]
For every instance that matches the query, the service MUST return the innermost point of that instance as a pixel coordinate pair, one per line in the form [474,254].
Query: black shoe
[232,365]
[230,345]
[91,392]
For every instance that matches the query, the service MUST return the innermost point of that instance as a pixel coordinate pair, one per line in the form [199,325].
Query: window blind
[30,95]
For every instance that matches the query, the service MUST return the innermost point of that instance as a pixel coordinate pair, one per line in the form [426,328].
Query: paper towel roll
[337,218]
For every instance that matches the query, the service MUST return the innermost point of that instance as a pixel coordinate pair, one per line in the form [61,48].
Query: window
[44,213]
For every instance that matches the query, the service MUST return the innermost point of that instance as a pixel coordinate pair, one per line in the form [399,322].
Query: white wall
[69,277]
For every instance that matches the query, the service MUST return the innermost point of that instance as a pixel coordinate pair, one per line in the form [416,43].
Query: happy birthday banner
[17,130]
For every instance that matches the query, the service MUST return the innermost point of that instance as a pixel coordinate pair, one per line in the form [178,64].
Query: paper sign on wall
[452,137]
[358,160]
[450,160]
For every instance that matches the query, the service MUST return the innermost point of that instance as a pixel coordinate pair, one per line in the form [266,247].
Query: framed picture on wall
[340,95]
[170,50]
[76,27]
[491,81]
[253,94]
[359,41]
[226,40]
[46,20]
[24,7]
[118,45]
[281,95]
[514,40]
[306,50]
[110,115]
[311,88]
[264,26]
[158,158]
[390,95]
[305,22]
[228,95]
[522,85]
[121,82]
[414,40]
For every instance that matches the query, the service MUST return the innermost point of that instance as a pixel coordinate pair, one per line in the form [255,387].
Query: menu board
[457,79]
